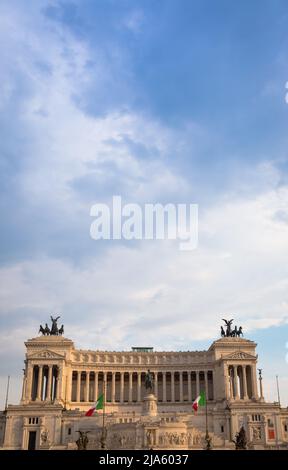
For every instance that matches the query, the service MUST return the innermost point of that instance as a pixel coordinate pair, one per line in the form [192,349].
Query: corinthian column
[113,388]
[181,385]
[156,383]
[96,387]
[236,383]
[189,385]
[29,382]
[58,383]
[78,386]
[206,384]
[130,387]
[227,382]
[39,385]
[139,387]
[245,394]
[197,383]
[121,387]
[49,383]
[172,386]
[24,386]
[164,386]
[254,382]
[87,386]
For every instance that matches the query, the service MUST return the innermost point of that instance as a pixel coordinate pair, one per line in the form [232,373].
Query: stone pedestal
[150,405]
[45,446]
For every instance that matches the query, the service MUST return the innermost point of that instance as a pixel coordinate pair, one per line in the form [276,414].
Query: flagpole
[207,437]
[7,393]
[206,412]
[103,437]
[278,392]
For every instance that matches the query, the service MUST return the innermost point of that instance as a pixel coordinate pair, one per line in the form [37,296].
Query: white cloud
[152,279]
[63,139]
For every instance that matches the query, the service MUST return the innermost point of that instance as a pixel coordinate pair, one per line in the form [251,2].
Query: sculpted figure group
[54,330]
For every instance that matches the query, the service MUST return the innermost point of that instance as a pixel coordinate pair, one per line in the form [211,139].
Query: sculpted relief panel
[191,438]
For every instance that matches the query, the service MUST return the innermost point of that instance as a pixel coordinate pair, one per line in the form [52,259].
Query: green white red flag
[199,401]
[98,406]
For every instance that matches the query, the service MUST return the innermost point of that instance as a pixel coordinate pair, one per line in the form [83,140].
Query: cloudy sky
[156,101]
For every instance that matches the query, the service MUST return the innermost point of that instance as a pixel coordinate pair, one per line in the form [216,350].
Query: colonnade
[122,386]
[42,383]
[242,382]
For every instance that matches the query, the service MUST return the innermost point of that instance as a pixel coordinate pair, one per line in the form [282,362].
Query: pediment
[239,355]
[46,354]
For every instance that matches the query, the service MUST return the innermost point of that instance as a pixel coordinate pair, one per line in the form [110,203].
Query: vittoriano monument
[147,397]
[229,332]
[54,330]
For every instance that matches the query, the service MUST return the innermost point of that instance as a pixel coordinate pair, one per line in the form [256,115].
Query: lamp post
[260,384]
[208,439]
[103,438]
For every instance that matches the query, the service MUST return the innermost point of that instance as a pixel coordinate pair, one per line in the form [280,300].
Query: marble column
[181,385]
[164,386]
[96,387]
[29,382]
[58,383]
[156,384]
[173,386]
[206,384]
[227,382]
[254,382]
[121,387]
[113,388]
[39,384]
[130,387]
[235,376]
[78,385]
[231,384]
[197,383]
[68,385]
[49,384]
[105,385]
[87,386]
[189,386]
[245,394]
[24,387]
[213,385]
[139,387]
[71,396]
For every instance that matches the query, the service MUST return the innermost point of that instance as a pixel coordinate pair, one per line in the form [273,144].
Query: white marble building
[60,383]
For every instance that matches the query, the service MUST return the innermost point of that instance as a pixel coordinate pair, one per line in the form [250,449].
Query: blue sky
[157,101]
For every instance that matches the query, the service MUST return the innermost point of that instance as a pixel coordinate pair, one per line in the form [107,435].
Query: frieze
[46,355]
[239,355]
[136,359]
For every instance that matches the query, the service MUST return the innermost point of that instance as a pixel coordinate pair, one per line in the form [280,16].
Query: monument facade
[148,397]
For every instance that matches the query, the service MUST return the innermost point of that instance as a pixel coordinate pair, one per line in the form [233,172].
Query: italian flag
[199,401]
[98,406]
